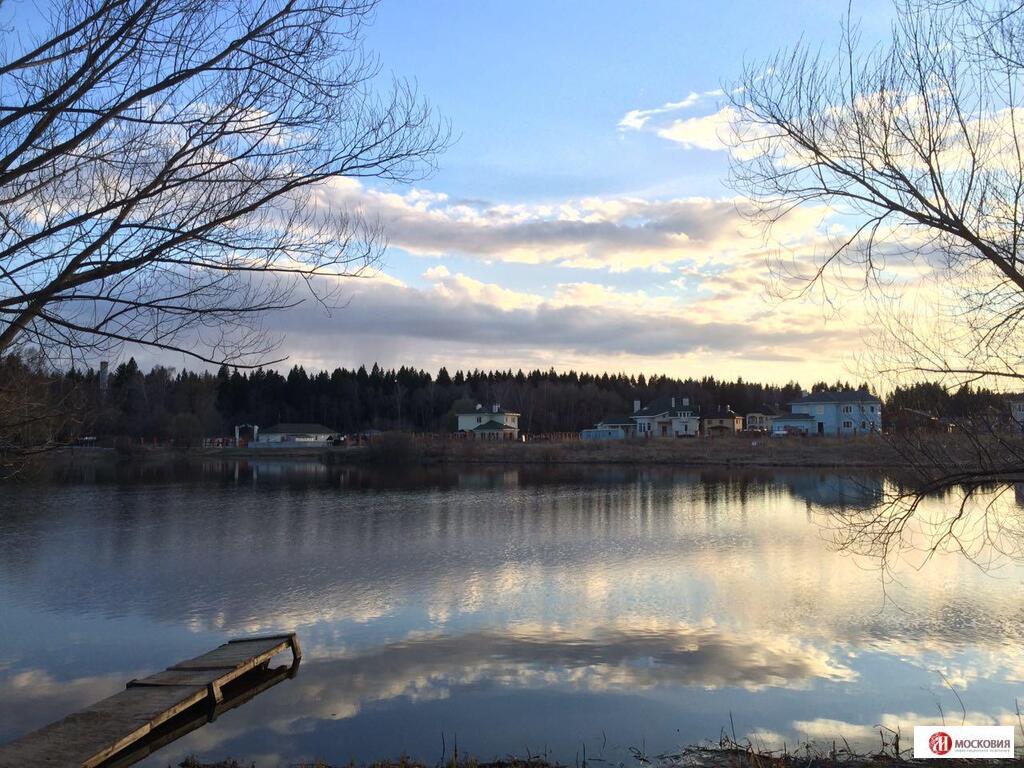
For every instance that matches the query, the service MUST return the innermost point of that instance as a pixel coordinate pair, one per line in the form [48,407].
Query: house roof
[838,396]
[721,412]
[617,421]
[285,428]
[468,407]
[491,426]
[663,405]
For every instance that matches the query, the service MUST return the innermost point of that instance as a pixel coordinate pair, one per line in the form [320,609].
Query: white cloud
[637,119]
[616,234]
[709,132]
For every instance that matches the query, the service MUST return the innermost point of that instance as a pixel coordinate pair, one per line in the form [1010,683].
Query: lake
[516,610]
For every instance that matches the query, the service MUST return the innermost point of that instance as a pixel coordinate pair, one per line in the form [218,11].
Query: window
[872,409]
[863,425]
[847,409]
[847,425]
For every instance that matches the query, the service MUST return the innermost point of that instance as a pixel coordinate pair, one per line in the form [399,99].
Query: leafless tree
[162,166]
[38,410]
[915,146]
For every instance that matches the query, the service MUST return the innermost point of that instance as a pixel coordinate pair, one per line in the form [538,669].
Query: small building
[666,417]
[758,421]
[722,421]
[494,430]
[841,413]
[603,433]
[910,420]
[489,423]
[286,435]
[611,428]
[793,424]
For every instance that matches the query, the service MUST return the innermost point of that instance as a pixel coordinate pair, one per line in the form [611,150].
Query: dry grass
[726,451]
[726,753]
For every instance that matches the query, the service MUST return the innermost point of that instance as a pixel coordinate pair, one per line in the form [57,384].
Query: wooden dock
[156,710]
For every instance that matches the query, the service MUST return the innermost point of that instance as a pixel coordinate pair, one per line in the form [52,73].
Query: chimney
[104,376]
[495,408]
[673,403]
[636,406]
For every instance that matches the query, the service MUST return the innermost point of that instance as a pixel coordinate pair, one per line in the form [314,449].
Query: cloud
[637,119]
[425,667]
[617,234]
[579,318]
[709,132]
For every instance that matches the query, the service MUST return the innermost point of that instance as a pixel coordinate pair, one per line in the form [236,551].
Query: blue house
[837,413]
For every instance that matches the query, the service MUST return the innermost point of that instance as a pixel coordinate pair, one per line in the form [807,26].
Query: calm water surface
[514,609]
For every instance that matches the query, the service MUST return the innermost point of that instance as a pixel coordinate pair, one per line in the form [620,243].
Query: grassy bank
[724,754]
[726,451]
[402,449]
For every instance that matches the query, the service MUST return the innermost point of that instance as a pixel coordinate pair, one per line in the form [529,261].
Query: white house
[666,417]
[835,412]
[485,423]
[286,435]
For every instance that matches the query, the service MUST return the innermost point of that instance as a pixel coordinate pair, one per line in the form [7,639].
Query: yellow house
[721,421]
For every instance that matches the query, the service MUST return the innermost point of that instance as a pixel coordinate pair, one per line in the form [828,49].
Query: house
[666,417]
[758,421]
[838,412]
[722,421]
[287,435]
[910,420]
[793,424]
[611,428]
[487,423]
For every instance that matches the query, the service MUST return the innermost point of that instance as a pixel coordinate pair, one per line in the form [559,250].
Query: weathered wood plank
[182,677]
[94,734]
[87,737]
[189,721]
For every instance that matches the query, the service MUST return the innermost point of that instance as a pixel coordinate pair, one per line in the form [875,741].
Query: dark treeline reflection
[817,486]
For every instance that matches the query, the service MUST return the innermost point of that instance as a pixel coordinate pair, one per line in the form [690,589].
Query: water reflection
[517,607]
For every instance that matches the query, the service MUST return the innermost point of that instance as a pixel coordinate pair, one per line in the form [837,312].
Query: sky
[581,218]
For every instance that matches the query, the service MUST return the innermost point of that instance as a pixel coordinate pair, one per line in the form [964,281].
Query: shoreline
[725,753]
[410,450]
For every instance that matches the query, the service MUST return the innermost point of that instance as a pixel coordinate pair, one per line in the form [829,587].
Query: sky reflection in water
[518,609]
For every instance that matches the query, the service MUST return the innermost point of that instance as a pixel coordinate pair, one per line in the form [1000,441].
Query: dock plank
[88,737]
[190,720]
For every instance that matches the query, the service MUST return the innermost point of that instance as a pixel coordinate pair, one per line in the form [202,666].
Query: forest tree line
[167,405]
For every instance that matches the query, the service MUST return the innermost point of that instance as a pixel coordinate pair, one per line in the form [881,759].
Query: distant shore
[873,452]
[727,451]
